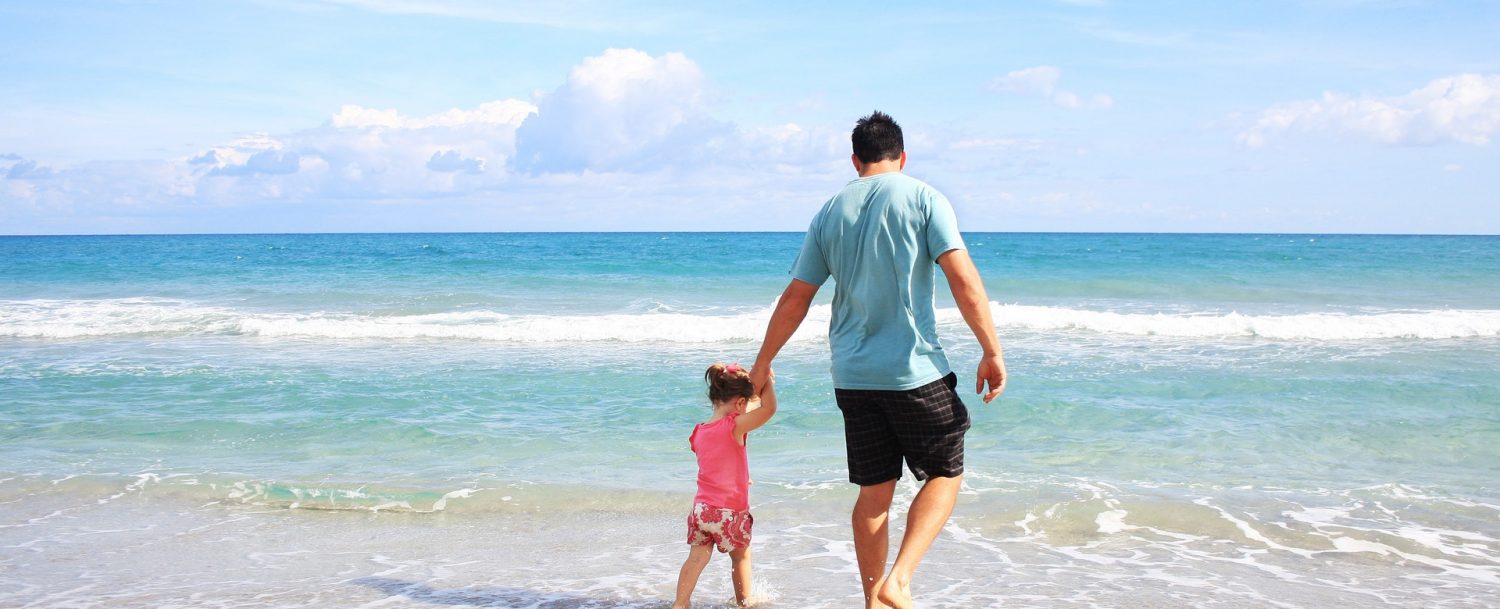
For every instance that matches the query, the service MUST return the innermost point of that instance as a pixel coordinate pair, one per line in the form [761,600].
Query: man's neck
[879,167]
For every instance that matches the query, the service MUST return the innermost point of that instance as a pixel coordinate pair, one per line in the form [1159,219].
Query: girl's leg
[687,579]
[740,557]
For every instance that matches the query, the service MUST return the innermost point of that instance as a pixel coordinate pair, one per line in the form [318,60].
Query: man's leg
[929,513]
[930,425]
[872,537]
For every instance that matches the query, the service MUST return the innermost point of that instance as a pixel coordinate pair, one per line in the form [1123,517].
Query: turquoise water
[1253,420]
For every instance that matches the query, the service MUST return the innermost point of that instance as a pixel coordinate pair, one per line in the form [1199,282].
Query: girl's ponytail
[728,381]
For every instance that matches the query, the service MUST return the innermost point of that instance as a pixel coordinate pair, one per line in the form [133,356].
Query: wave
[1430,324]
[124,317]
[422,497]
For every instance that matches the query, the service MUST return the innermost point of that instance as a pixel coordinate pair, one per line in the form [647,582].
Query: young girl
[721,511]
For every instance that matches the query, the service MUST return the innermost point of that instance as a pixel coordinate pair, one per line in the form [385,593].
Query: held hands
[991,371]
[762,405]
[762,377]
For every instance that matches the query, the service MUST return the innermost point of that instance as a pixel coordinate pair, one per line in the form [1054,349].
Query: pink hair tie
[734,368]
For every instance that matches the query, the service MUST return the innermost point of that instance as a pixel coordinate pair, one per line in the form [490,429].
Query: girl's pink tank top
[723,465]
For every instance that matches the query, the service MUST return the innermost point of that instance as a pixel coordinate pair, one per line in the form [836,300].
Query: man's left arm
[791,309]
[974,305]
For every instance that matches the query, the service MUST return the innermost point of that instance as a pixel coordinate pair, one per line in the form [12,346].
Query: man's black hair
[877,138]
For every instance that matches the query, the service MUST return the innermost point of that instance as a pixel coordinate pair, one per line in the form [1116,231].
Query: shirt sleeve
[942,227]
[811,266]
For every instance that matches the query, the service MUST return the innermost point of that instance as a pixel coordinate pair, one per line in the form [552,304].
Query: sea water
[501,420]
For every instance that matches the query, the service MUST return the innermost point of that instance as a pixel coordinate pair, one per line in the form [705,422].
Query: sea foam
[1424,324]
[75,319]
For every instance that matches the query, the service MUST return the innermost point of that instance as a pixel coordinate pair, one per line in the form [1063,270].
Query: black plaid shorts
[925,426]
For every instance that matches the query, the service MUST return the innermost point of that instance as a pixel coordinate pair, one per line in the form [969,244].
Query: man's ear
[903,159]
[859,166]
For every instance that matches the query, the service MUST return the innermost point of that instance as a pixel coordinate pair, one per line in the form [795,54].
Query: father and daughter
[881,238]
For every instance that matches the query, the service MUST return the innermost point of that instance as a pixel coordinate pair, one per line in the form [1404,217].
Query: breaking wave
[122,317]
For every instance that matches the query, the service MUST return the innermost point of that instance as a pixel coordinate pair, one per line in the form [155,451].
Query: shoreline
[139,551]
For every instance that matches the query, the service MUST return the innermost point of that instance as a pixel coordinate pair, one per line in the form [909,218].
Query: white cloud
[223,157]
[506,112]
[995,144]
[1463,108]
[365,153]
[16,167]
[19,191]
[1041,81]
[621,120]
[621,110]
[1072,101]
[451,160]
[626,138]
[274,162]
[102,185]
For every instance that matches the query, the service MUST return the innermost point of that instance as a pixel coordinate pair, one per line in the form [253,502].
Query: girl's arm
[754,418]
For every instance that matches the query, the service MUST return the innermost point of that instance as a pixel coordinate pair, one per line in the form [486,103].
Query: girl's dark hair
[877,138]
[726,382]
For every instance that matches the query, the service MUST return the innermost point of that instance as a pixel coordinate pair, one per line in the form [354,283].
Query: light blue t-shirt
[879,238]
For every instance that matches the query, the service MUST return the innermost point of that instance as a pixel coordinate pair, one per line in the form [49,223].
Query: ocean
[501,420]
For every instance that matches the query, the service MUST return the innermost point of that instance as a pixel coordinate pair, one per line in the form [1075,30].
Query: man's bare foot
[896,592]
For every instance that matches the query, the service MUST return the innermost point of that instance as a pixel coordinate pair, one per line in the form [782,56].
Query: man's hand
[760,376]
[991,371]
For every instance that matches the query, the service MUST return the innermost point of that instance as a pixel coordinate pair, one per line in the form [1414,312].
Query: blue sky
[459,115]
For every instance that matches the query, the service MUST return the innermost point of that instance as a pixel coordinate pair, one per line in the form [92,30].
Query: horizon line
[730,232]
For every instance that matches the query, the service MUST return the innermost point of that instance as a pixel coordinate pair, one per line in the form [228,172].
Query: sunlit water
[502,420]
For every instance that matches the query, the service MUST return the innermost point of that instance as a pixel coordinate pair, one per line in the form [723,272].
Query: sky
[1307,116]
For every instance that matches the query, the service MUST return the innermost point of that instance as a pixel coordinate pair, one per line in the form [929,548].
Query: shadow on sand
[499,596]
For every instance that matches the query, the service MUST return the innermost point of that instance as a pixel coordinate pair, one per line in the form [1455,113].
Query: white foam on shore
[1101,544]
[1429,324]
[77,319]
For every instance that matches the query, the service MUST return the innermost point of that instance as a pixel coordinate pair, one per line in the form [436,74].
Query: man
[879,238]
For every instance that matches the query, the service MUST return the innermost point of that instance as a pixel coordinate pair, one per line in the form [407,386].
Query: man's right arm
[974,305]
[791,309]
